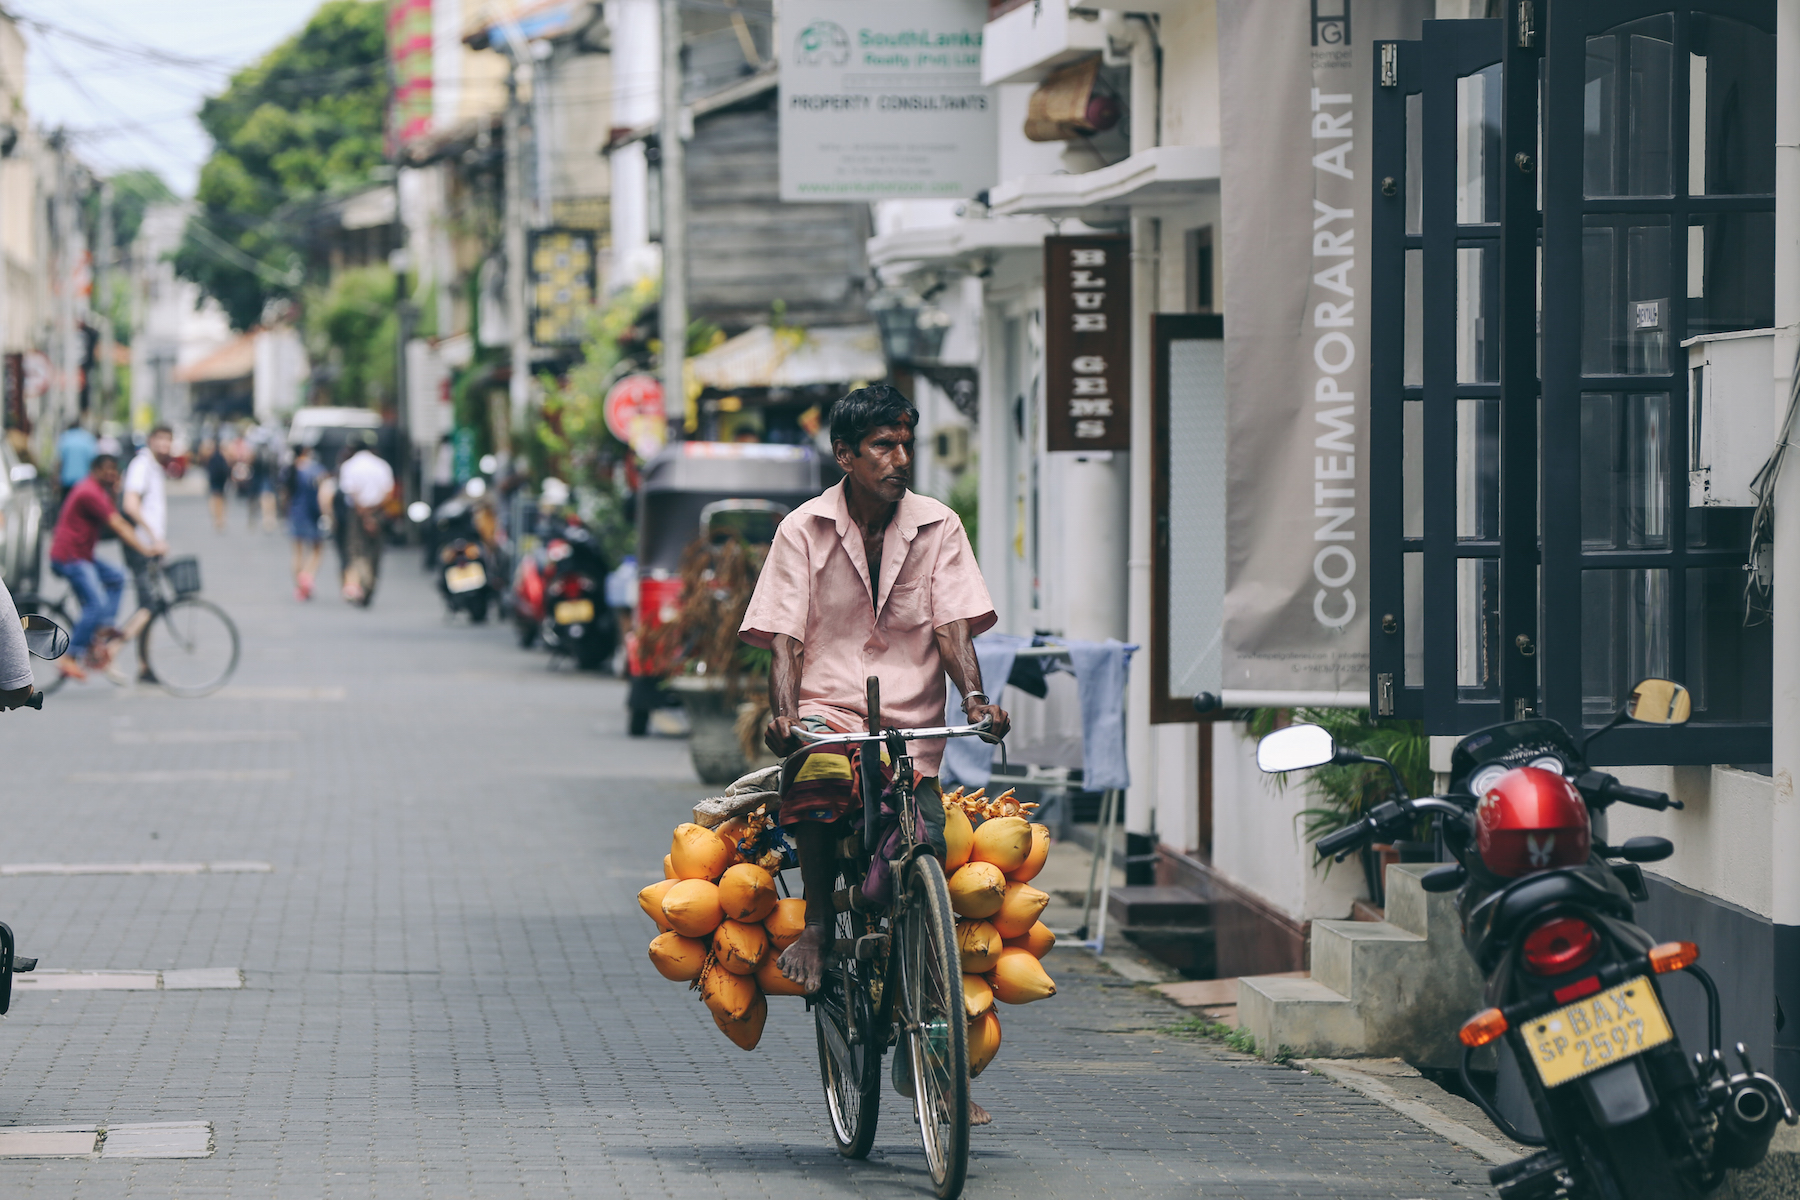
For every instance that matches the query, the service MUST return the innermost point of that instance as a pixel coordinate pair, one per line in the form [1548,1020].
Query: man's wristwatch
[971,698]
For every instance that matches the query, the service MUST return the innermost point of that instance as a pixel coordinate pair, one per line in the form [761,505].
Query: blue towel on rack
[1101,670]
[970,761]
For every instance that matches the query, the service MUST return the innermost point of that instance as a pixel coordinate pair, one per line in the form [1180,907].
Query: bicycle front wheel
[191,647]
[938,1039]
[850,1044]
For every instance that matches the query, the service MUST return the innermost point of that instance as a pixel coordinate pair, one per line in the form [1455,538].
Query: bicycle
[873,997]
[190,645]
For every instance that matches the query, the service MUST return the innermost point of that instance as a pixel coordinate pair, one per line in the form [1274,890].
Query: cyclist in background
[146,502]
[86,510]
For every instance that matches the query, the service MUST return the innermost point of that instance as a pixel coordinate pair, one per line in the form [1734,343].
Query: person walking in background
[218,474]
[145,501]
[305,506]
[86,510]
[75,450]
[366,481]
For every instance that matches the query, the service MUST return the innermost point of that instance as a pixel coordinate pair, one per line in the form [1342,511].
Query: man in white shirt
[146,503]
[366,481]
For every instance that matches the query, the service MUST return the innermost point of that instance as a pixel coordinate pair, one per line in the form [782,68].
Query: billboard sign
[883,101]
[1087,342]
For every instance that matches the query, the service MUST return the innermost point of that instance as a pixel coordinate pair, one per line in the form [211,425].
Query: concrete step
[1301,1014]
[1141,905]
[1348,955]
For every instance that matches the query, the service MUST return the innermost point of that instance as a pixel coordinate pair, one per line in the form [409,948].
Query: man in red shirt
[86,511]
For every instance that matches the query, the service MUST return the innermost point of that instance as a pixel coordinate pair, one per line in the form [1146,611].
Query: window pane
[1731,272]
[1477,338]
[1477,469]
[1627,108]
[1478,628]
[1625,471]
[1413,368]
[1624,635]
[1728,664]
[1625,310]
[1415,165]
[1414,612]
[1478,147]
[1412,469]
[1731,107]
[1727,528]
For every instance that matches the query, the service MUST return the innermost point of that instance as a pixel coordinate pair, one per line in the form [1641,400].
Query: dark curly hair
[869,408]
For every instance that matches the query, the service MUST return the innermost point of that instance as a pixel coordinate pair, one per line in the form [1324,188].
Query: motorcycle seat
[1497,918]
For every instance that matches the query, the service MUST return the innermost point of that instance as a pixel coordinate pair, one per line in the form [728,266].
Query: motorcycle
[464,567]
[559,595]
[1573,984]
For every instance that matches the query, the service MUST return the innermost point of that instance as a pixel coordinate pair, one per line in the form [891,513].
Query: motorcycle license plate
[1615,1024]
[574,612]
[466,577]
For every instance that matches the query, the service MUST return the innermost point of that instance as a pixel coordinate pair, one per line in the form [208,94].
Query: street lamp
[912,331]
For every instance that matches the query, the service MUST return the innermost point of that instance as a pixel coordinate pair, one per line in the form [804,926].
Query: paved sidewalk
[445,987]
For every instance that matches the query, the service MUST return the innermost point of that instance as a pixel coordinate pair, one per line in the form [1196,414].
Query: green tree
[351,326]
[302,124]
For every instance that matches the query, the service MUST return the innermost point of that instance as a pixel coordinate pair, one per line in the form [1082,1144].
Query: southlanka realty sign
[884,101]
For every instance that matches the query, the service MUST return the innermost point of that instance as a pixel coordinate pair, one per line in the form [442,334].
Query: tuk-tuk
[690,490]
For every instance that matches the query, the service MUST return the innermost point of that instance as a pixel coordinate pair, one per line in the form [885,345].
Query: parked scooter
[1572,983]
[464,567]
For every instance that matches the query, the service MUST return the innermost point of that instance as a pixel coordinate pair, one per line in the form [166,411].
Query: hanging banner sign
[884,101]
[1295,197]
[1087,343]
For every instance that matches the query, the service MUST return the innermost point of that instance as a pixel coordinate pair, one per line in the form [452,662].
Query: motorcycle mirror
[418,512]
[1645,849]
[476,487]
[1659,702]
[1294,749]
[44,637]
[488,464]
[1446,878]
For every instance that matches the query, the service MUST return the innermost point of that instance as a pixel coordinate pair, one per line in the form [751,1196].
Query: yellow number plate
[465,578]
[1617,1023]
[574,612]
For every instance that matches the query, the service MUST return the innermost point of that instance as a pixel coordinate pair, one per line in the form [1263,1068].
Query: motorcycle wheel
[478,608]
[1631,1163]
[639,724]
[528,634]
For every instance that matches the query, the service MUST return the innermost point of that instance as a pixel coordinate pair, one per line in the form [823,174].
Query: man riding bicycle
[868,579]
[86,511]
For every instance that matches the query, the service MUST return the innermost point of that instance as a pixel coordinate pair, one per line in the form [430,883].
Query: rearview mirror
[1294,749]
[418,512]
[44,637]
[1659,702]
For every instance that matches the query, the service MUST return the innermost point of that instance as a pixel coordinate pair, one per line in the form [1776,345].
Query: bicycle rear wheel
[844,1016]
[931,1002]
[192,647]
[30,602]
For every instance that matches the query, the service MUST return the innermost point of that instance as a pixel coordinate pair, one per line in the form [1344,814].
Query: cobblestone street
[445,990]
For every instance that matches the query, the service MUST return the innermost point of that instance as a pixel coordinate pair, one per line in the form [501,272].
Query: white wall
[636,66]
[1190,100]
[1722,842]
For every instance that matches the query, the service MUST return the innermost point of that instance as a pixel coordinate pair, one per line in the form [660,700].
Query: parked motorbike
[1573,984]
[464,566]
[559,595]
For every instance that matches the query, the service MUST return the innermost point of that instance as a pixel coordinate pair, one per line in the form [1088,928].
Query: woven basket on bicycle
[183,575]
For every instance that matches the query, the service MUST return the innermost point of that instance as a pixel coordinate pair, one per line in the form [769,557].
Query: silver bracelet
[971,696]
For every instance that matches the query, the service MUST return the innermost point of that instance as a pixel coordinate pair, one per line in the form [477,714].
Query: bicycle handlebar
[979,729]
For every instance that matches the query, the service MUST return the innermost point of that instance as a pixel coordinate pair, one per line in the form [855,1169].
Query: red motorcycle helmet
[1531,820]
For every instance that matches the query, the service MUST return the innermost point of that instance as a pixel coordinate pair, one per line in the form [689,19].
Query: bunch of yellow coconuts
[991,866]
[722,926]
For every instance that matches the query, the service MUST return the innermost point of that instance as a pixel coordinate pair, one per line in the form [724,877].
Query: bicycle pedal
[871,946]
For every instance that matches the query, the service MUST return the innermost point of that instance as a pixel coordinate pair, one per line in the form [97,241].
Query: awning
[762,357]
[234,360]
[1159,175]
[964,237]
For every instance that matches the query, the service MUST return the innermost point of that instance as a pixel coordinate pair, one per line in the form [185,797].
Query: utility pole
[68,358]
[406,319]
[102,300]
[673,308]
[519,389]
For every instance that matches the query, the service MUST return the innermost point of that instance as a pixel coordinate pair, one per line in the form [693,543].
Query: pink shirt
[814,587]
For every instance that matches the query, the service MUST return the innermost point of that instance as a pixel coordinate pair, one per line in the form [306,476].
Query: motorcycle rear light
[1485,1026]
[1559,946]
[572,586]
[1673,956]
[1576,990]
[472,552]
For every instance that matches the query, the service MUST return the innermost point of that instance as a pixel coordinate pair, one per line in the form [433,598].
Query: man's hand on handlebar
[779,736]
[1002,722]
[17,697]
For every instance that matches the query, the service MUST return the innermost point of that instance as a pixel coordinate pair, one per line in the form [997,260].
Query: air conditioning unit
[1732,396]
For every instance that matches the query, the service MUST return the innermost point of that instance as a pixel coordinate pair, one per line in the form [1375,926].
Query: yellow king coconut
[978,944]
[1019,911]
[1003,841]
[729,833]
[740,947]
[958,835]
[728,997]
[678,958]
[1034,861]
[747,893]
[668,867]
[978,997]
[650,900]
[1038,939]
[786,922]
[745,1031]
[696,852]
[984,1041]
[770,979]
[978,889]
[691,907]
[1018,978]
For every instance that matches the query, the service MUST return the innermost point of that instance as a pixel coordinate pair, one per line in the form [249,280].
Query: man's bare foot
[979,1115]
[804,961]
